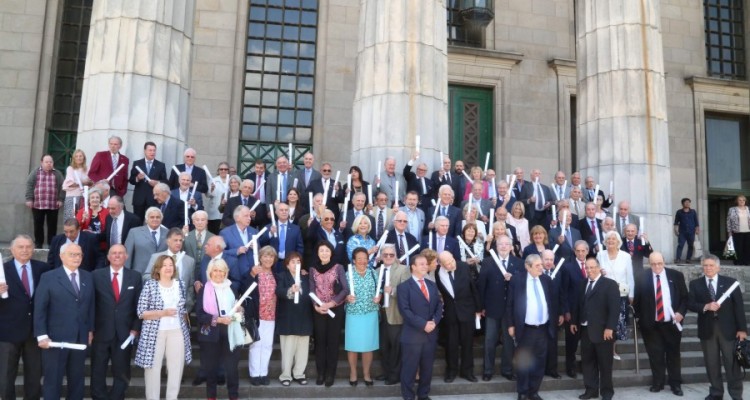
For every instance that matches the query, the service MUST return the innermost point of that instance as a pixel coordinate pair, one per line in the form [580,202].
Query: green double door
[471,122]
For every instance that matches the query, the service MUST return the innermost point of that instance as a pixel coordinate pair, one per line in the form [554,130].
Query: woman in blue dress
[361,329]
[361,238]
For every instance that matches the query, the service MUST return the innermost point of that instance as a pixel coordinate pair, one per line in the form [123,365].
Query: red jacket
[101,168]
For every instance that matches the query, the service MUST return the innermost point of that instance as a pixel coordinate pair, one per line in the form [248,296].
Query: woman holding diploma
[294,321]
[234,190]
[358,185]
[738,228]
[220,332]
[262,308]
[75,175]
[361,331]
[476,176]
[165,333]
[328,282]
[361,239]
[518,221]
[476,246]
[617,265]
[217,193]
[93,219]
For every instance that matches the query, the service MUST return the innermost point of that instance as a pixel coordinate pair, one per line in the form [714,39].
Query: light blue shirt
[28,274]
[533,302]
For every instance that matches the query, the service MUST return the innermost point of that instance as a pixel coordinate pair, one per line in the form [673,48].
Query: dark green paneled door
[470,124]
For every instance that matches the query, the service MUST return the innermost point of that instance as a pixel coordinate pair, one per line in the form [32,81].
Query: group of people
[398,266]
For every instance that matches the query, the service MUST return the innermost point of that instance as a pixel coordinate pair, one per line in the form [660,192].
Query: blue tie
[540,313]
[282,239]
[283,187]
[153,235]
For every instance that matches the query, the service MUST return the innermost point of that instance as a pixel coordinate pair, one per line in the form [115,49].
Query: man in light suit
[414,214]
[185,193]
[237,236]
[383,215]
[391,320]
[719,325]
[172,208]
[284,237]
[259,215]
[660,302]
[105,162]
[566,240]
[156,172]
[284,174]
[116,319]
[484,206]
[184,263]
[72,233]
[420,305]
[533,317]
[577,205]
[307,174]
[119,222]
[446,209]
[441,241]
[625,217]
[590,196]
[64,312]
[386,183]
[559,189]
[197,173]
[16,316]
[145,240]
[196,238]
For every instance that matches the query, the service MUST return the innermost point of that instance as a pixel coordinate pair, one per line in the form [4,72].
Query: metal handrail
[635,341]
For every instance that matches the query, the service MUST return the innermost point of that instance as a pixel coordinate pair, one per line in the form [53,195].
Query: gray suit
[420,216]
[565,191]
[140,246]
[387,188]
[300,175]
[484,205]
[187,275]
[190,246]
[632,219]
[271,188]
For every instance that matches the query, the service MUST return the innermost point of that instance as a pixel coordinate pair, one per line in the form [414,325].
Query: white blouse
[620,269]
[171,297]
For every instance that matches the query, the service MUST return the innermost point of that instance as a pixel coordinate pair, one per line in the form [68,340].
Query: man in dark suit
[504,198]
[596,315]
[492,295]
[575,269]
[559,296]
[523,190]
[64,312]
[443,176]
[501,215]
[461,308]
[660,303]
[591,229]
[446,209]
[22,277]
[117,291]
[284,237]
[458,184]
[566,240]
[420,305]
[275,190]
[172,208]
[259,178]
[419,183]
[719,325]
[89,242]
[119,222]
[306,175]
[259,215]
[156,172]
[105,162]
[324,230]
[185,193]
[399,237]
[533,316]
[356,209]
[237,236]
[637,247]
[325,186]
[441,241]
[197,173]
[539,204]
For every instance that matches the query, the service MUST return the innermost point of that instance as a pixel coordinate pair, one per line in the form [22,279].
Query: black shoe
[554,374]
[589,395]
[486,377]
[369,383]
[571,373]
[380,377]
[265,381]
[677,391]
[449,378]
[199,381]
[534,396]
[522,397]
[255,380]
[319,381]
[655,389]
[425,398]
[389,382]
[509,377]
[353,383]
[329,382]
[469,377]
[221,381]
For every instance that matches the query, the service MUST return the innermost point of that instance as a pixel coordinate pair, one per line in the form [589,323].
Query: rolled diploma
[136,167]
[379,162]
[112,175]
[244,296]
[429,245]
[408,253]
[297,281]
[338,173]
[66,345]
[507,179]
[176,171]
[554,249]
[611,187]
[395,195]
[387,299]
[596,193]
[468,178]
[726,294]
[671,315]
[320,303]
[310,202]
[291,153]
[489,227]
[564,221]
[192,192]
[351,280]
[85,198]
[424,186]
[380,281]
[127,341]
[369,195]
[434,214]
[346,206]
[255,205]
[208,173]
[640,227]
[417,142]
[294,184]
[186,213]
[512,182]
[557,267]
[497,261]
[554,213]
[2,280]
[278,187]
[383,237]
[486,162]
[255,238]
[349,182]
[493,192]
[442,157]
[273,216]
[465,246]
[262,182]
[78,178]
[477,322]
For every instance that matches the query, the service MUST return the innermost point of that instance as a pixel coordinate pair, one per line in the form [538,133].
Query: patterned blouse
[359,241]
[364,291]
[267,292]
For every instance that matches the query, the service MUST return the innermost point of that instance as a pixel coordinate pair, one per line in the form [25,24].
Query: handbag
[250,328]
[742,354]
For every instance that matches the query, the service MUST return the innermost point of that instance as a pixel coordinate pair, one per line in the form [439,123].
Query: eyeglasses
[400,220]
[388,255]
[223,169]
[325,170]
[328,219]
[189,156]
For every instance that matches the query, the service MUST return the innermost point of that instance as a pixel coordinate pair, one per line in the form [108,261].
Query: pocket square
[131,287]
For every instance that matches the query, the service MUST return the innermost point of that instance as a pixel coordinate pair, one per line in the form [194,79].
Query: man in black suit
[356,209]
[492,286]
[89,242]
[64,312]
[420,305]
[523,190]
[259,178]
[575,269]
[591,229]
[461,309]
[446,209]
[533,318]
[458,184]
[660,303]
[324,185]
[306,175]
[504,198]
[719,325]
[559,296]
[117,291]
[399,237]
[284,237]
[567,239]
[172,208]
[596,315]
[119,222]
[259,215]
[419,182]
[539,205]
[22,277]
[198,174]
[441,241]
[590,196]
[156,172]
[637,247]
[324,230]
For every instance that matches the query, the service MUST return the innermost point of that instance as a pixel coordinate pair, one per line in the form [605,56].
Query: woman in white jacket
[618,265]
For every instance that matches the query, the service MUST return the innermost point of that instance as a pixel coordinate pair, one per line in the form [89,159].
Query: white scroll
[127,341]
[139,170]
[465,247]
[671,315]
[273,217]
[2,280]
[557,267]
[417,143]
[176,171]
[370,200]
[208,173]
[351,280]
[338,174]
[554,249]
[497,261]
[729,291]
[477,322]
[244,296]
[192,192]
[112,175]
[320,304]
[379,164]
[380,280]
[408,253]
[66,345]
[85,199]
[187,222]
[297,281]
[387,299]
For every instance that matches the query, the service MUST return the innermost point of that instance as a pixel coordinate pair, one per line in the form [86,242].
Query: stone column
[137,79]
[622,109]
[402,83]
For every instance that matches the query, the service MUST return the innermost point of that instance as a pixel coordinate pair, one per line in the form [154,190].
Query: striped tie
[659,301]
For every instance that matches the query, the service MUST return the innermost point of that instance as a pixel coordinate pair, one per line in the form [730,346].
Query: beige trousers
[294,352]
[169,344]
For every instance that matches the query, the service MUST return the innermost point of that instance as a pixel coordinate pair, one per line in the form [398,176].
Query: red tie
[25,280]
[630,247]
[116,288]
[593,228]
[583,269]
[424,289]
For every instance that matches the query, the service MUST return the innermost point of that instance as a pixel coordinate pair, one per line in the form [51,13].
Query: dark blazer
[588,235]
[587,197]
[89,242]
[417,311]
[261,212]
[644,301]
[492,285]
[508,205]
[515,312]
[601,308]
[293,239]
[130,221]
[464,303]
[234,271]
[143,194]
[316,233]
[415,184]
[549,197]
[523,191]
[271,188]
[293,319]
[451,245]
[411,241]
[58,312]
[300,175]
[731,315]
[531,249]
[115,319]
[198,174]
[234,241]
[455,183]
[203,318]
[173,215]
[254,177]
[572,283]
[640,250]
[565,250]
[316,187]
[17,311]
[350,220]
[454,217]
[101,168]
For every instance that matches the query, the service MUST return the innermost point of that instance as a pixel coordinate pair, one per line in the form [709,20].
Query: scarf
[323,268]
[212,292]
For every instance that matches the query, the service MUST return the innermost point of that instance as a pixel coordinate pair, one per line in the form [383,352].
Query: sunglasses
[325,170]
[223,169]
[328,219]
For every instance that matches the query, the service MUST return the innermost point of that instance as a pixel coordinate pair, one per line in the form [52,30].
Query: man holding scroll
[105,163]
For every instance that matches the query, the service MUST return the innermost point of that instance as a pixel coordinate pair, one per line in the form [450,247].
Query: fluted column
[622,112]
[137,79]
[402,82]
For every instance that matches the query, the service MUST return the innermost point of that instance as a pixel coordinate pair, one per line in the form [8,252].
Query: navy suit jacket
[115,319]
[516,309]
[492,286]
[411,241]
[316,233]
[293,239]
[261,211]
[89,242]
[316,187]
[142,191]
[464,304]
[234,271]
[588,235]
[417,311]
[644,301]
[173,216]
[573,282]
[198,174]
[59,313]
[17,310]
[198,203]
[234,241]
[731,316]
[454,217]
[565,250]
[130,221]
[451,245]
[508,205]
